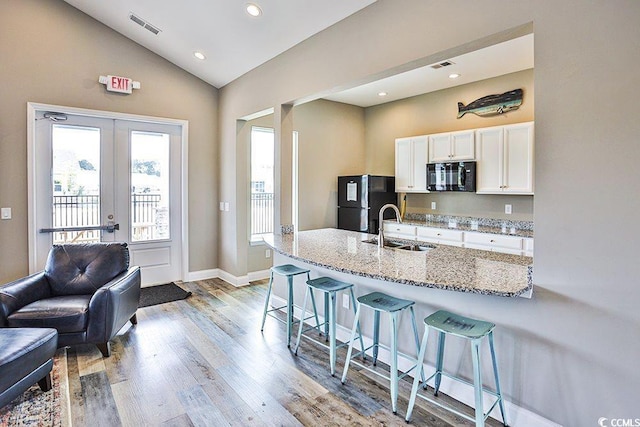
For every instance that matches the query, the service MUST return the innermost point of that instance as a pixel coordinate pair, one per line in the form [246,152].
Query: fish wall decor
[492,105]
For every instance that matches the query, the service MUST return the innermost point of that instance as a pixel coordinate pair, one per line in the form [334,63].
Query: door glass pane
[75,177]
[149,186]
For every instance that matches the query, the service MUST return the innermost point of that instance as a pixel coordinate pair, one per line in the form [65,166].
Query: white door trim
[34,107]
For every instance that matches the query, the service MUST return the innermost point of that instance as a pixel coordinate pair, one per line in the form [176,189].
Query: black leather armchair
[87,292]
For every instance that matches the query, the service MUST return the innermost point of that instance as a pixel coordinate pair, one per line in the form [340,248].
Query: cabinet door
[518,156]
[463,146]
[489,157]
[440,147]
[404,165]
[420,160]
[528,246]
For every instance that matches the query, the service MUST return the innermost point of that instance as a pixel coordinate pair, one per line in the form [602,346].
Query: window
[262,182]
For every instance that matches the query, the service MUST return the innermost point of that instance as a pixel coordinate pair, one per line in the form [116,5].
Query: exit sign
[119,84]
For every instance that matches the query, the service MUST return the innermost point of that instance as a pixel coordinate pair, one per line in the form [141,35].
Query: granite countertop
[443,267]
[478,225]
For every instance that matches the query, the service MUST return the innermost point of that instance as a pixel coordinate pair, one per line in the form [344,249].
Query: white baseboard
[516,416]
[259,275]
[237,281]
[202,275]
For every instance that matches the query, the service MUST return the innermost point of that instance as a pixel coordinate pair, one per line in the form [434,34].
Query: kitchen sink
[404,246]
[415,248]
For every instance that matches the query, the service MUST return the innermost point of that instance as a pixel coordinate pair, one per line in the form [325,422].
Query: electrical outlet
[507,209]
[433,206]
[345,301]
[267,253]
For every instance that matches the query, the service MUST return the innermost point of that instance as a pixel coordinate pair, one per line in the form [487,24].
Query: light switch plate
[5,213]
[221,206]
[507,209]
[433,206]
[226,206]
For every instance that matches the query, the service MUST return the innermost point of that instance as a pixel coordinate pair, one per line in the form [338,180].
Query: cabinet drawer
[493,240]
[439,234]
[395,228]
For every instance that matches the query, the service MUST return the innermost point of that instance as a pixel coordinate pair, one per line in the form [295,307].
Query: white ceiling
[499,59]
[232,41]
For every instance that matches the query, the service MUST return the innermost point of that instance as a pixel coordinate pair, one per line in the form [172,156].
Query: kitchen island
[440,266]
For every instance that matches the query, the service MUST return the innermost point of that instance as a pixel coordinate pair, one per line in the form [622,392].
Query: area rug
[37,408]
[160,294]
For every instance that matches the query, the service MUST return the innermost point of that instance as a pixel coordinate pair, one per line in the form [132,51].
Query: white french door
[100,179]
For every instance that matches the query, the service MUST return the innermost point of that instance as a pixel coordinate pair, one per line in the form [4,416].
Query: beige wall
[331,143]
[51,53]
[436,112]
[569,353]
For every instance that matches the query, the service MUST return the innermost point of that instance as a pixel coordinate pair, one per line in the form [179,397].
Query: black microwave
[454,176]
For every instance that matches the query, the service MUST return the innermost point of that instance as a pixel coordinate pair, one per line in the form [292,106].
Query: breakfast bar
[435,266]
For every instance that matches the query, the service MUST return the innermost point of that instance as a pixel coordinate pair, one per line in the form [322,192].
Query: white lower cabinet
[440,235]
[493,242]
[468,239]
[399,231]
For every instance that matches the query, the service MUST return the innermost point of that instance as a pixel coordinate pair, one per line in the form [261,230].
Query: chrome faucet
[381,219]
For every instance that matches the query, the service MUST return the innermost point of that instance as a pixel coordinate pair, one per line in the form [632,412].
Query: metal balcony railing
[261,213]
[84,210]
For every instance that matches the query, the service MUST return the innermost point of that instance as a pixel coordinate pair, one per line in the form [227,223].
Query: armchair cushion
[84,268]
[66,314]
[19,293]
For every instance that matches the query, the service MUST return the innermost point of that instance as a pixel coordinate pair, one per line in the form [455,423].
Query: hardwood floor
[204,362]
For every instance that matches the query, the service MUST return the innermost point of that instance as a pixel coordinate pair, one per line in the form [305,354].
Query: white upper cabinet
[505,159]
[452,146]
[411,164]
[518,143]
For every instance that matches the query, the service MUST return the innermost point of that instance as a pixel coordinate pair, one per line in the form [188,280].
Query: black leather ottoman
[26,357]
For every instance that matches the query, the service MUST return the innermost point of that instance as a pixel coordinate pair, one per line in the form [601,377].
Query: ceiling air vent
[442,64]
[144,24]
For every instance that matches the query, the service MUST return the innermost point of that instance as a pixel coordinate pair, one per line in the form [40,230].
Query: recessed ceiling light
[253,9]
[199,55]
[382,93]
[454,75]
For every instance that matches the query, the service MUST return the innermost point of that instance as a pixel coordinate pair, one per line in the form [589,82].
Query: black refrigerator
[360,198]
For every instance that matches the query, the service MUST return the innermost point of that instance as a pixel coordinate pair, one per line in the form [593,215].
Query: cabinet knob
[492,241]
[439,234]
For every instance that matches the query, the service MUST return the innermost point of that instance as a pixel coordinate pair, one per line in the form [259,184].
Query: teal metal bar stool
[474,330]
[289,271]
[329,287]
[380,302]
